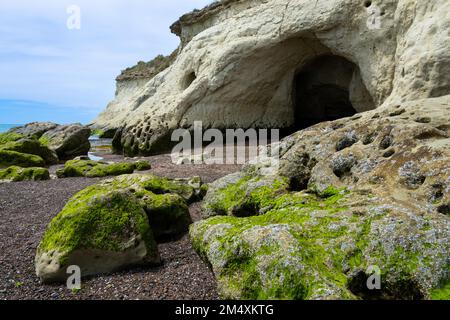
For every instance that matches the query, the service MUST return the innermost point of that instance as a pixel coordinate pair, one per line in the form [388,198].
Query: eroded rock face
[238,60]
[374,192]
[113,225]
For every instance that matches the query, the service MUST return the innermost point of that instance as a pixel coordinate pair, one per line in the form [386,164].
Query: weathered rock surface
[34,129]
[113,225]
[68,141]
[130,82]
[347,195]
[238,62]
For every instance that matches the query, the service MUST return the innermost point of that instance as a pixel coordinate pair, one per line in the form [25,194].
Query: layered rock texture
[349,199]
[246,63]
[115,224]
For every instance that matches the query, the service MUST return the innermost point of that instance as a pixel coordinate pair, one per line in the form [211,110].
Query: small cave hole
[367,4]
[189,79]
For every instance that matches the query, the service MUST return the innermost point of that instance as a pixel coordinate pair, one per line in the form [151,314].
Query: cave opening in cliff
[321,91]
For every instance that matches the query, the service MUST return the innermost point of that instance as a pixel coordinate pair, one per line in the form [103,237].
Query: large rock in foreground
[308,247]
[113,225]
[347,198]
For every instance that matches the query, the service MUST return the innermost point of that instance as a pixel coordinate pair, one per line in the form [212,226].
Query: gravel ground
[26,208]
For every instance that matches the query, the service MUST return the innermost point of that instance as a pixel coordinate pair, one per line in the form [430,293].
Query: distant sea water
[6,127]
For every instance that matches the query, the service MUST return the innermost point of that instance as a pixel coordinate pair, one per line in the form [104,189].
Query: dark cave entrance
[321,91]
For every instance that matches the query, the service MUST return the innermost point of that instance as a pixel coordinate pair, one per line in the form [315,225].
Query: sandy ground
[26,208]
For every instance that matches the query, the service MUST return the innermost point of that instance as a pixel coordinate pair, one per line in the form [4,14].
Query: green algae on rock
[13,158]
[6,137]
[93,169]
[100,231]
[168,215]
[32,146]
[142,165]
[112,225]
[242,194]
[310,247]
[15,173]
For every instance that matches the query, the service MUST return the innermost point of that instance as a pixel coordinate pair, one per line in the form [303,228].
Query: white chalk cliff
[239,62]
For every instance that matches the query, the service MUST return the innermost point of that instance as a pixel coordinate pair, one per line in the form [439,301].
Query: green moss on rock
[13,158]
[442,293]
[6,137]
[142,165]
[168,215]
[34,147]
[111,219]
[97,218]
[317,246]
[93,169]
[159,185]
[245,197]
[15,173]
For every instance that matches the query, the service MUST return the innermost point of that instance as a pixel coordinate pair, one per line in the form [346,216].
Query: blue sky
[51,73]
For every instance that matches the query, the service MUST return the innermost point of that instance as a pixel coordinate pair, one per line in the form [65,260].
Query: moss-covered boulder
[66,141]
[6,137]
[242,194]
[32,146]
[10,158]
[142,165]
[98,230]
[188,189]
[92,169]
[14,174]
[308,246]
[82,167]
[111,225]
[168,215]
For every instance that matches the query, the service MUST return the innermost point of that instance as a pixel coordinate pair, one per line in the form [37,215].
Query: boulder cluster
[38,145]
